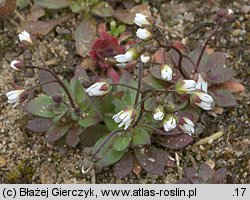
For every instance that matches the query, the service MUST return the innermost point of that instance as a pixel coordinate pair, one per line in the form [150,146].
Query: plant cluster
[127,121]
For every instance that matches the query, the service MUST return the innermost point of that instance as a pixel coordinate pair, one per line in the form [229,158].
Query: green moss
[21,173]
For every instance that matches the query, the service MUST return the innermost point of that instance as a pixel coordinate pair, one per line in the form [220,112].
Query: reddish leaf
[7,7]
[189,172]
[127,16]
[158,56]
[152,159]
[205,172]
[51,88]
[42,28]
[232,86]
[39,124]
[214,60]
[176,142]
[72,138]
[111,73]
[137,167]
[91,134]
[219,175]
[220,75]
[223,98]
[124,166]
[84,35]
[56,132]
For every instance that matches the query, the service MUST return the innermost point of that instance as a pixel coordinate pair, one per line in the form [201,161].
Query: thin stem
[143,100]
[123,85]
[32,88]
[99,148]
[207,40]
[58,80]
[140,69]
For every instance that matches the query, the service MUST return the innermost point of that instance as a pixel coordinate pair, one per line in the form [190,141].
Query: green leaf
[103,9]
[127,98]
[120,29]
[111,156]
[91,118]
[140,136]
[41,107]
[119,105]
[127,79]
[122,141]
[109,122]
[155,83]
[55,132]
[22,3]
[75,7]
[77,90]
[53,4]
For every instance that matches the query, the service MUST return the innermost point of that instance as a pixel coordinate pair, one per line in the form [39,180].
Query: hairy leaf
[91,134]
[176,142]
[102,9]
[53,4]
[39,124]
[51,88]
[91,118]
[41,107]
[152,159]
[55,132]
[220,75]
[122,141]
[124,166]
[155,83]
[217,59]
[84,35]
[72,138]
[223,98]
[109,122]
[127,79]
[77,90]
[140,136]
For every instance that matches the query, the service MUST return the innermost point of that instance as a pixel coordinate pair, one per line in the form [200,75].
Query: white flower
[203,100]
[124,117]
[17,64]
[145,58]
[158,113]
[98,89]
[17,96]
[25,36]
[230,11]
[187,126]
[130,55]
[201,84]
[141,20]
[166,72]
[169,122]
[143,34]
[185,86]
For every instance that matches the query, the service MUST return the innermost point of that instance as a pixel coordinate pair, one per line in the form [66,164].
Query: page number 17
[240,191]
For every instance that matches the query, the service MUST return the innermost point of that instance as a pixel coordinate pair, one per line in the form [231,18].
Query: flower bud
[144,34]
[166,72]
[124,117]
[201,84]
[17,64]
[98,89]
[203,100]
[141,20]
[169,122]
[130,55]
[145,57]
[57,99]
[17,96]
[25,37]
[185,86]
[186,125]
[158,113]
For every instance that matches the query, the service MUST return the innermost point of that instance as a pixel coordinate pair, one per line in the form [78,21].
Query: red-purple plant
[106,46]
